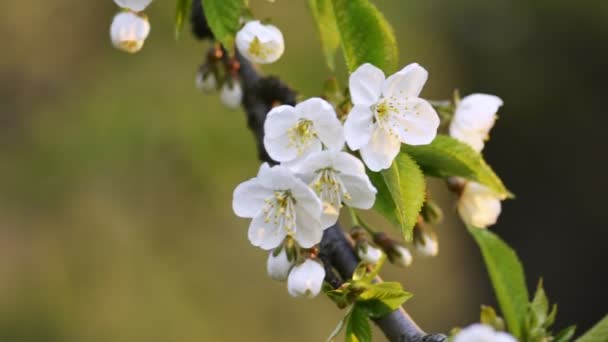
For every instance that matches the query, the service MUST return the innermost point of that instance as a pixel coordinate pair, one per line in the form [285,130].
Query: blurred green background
[116,175]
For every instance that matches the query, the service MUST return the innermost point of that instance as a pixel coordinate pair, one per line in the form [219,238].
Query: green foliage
[323,13]
[507,276]
[401,193]
[357,326]
[540,319]
[365,34]
[223,19]
[446,157]
[181,13]
[489,317]
[599,332]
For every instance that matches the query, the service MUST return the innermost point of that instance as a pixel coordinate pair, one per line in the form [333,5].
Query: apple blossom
[278,266]
[260,43]
[478,206]
[294,132]
[482,333]
[280,205]
[306,279]
[336,177]
[129,31]
[231,94]
[134,5]
[388,112]
[474,118]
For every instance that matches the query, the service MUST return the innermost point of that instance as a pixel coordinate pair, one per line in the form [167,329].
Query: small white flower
[474,118]
[260,43]
[336,177]
[205,81]
[231,94]
[478,206]
[280,205]
[278,267]
[129,31]
[306,279]
[369,254]
[426,243]
[294,132]
[402,256]
[134,5]
[482,333]
[388,112]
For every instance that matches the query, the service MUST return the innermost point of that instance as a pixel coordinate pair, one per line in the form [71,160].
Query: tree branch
[336,250]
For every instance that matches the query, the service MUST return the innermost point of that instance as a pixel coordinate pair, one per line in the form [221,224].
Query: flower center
[280,210]
[130,45]
[301,134]
[256,48]
[387,114]
[330,189]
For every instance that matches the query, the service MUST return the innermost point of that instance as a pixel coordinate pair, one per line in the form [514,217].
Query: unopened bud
[431,212]
[368,253]
[260,43]
[232,94]
[278,265]
[425,241]
[205,80]
[478,206]
[133,5]
[401,256]
[129,31]
[306,279]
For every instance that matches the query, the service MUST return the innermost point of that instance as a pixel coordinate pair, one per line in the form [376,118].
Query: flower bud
[306,279]
[480,333]
[260,43]
[474,118]
[129,31]
[278,265]
[478,206]
[431,212]
[232,94]
[205,80]
[425,241]
[401,256]
[368,253]
[133,5]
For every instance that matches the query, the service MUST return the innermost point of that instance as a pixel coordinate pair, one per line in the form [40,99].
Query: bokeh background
[116,175]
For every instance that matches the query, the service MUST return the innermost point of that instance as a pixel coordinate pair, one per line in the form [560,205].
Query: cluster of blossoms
[130,27]
[473,119]
[294,202]
[482,333]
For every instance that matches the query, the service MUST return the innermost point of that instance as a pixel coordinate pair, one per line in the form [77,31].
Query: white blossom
[306,279]
[402,256]
[260,43]
[369,254]
[278,267]
[388,112]
[426,243]
[134,5]
[336,177]
[482,333]
[205,81]
[231,94]
[294,132]
[280,205]
[129,31]
[478,206]
[474,118]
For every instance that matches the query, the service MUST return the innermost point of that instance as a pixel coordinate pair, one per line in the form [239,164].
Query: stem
[354,219]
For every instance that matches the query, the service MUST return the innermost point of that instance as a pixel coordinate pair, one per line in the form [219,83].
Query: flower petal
[346,163]
[408,82]
[265,234]
[279,120]
[280,148]
[365,85]
[418,124]
[362,194]
[325,121]
[381,150]
[308,212]
[358,127]
[248,198]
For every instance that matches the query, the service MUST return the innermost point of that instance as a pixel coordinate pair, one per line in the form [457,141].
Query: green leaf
[507,276]
[365,35]
[223,19]
[540,304]
[390,294]
[565,335]
[489,317]
[323,13]
[401,193]
[339,327]
[446,157]
[599,332]
[357,326]
[181,13]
